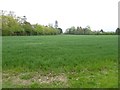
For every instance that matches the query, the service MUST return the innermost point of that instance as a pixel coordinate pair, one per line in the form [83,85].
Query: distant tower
[56,24]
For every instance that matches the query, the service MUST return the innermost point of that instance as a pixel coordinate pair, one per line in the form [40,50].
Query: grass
[85,61]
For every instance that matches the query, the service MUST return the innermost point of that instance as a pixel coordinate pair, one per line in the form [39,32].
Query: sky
[98,14]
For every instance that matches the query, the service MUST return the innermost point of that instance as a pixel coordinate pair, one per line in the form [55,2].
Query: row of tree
[87,31]
[12,25]
[78,30]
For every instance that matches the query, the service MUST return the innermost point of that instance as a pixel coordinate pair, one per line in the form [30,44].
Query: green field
[61,61]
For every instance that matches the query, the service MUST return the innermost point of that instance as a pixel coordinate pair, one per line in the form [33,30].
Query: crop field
[61,61]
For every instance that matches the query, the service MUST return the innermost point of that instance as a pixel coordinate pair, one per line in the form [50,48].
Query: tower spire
[56,24]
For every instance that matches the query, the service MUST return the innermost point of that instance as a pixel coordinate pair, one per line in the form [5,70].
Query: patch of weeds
[26,76]
[35,85]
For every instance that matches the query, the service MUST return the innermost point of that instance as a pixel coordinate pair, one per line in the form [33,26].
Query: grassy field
[68,61]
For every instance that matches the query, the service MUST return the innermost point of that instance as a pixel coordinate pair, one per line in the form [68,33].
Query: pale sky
[98,14]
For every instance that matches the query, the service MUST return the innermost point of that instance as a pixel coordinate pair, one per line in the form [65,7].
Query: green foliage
[38,29]
[87,31]
[118,31]
[44,30]
[26,76]
[60,30]
[27,28]
[17,26]
[10,25]
[79,30]
[88,61]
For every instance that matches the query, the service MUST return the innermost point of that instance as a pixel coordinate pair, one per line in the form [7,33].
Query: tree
[11,13]
[101,31]
[87,30]
[2,12]
[118,31]
[10,25]
[38,29]
[60,30]
[79,31]
[72,30]
[27,28]
[67,31]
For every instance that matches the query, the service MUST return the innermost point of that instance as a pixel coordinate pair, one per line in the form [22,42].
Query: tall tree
[60,30]
[27,28]
[10,25]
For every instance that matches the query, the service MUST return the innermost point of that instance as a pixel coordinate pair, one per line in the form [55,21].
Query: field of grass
[63,61]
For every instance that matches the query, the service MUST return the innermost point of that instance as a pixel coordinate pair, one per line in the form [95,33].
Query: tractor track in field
[29,78]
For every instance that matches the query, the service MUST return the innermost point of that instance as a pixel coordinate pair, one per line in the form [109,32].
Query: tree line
[87,31]
[13,25]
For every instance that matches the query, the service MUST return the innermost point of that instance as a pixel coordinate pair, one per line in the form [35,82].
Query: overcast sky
[98,14]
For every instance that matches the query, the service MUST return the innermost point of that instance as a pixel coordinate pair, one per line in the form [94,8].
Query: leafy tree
[27,28]
[11,13]
[72,30]
[118,31]
[87,30]
[79,31]
[101,30]
[60,30]
[38,29]
[10,25]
